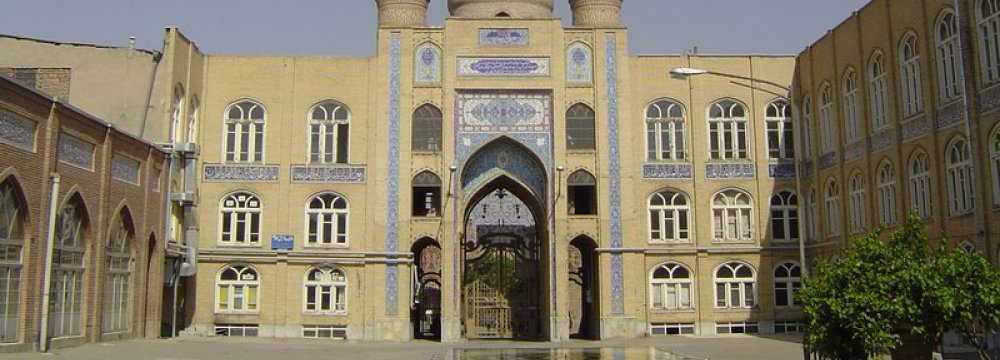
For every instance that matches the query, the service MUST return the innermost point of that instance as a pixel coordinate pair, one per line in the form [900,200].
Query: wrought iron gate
[501,288]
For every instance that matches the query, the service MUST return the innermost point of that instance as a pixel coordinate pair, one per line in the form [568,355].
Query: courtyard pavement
[734,347]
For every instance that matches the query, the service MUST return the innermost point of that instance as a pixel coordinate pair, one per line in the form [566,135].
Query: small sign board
[282,242]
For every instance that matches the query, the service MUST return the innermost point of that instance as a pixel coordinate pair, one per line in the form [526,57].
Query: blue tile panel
[392,193]
[617,284]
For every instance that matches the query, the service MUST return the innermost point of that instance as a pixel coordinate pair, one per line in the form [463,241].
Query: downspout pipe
[190,265]
[43,336]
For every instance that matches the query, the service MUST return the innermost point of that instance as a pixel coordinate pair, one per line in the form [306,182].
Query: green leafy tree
[899,294]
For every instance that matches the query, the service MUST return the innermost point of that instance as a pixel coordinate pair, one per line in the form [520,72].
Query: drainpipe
[190,265]
[149,93]
[49,251]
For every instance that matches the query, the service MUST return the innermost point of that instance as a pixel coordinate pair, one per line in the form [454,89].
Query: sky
[347,27]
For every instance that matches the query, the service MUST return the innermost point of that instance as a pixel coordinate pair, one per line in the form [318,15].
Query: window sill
[669,242]
[772,160]
[238,313]
[426,153]
[913,116]
[326,246]
[231,245]
[423,218]
[737,242]
[673,311]
[581,151]
[325,314]
[582,216]
[961,214]
[737,309]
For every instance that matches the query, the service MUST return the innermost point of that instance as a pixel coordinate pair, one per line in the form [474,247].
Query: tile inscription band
[617,273]
[513,67]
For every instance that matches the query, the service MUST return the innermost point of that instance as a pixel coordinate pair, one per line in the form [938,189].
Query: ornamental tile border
[125,169]
[781,171]
[240,173]
[916,128]
[504,66]
[617,272]
[854,150]
[730,171]
[949,115]
[17,131]
[343,174]
[882,140]
[503,36]
[827,160]
[667,171]
[75,151]
[392,196]
[989,99]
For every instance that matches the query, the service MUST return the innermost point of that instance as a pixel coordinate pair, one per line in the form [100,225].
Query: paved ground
[734,347]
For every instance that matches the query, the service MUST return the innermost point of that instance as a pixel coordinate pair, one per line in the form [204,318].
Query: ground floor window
[671,329]
[241,330]
[787,327]
[324,331]
[736,328]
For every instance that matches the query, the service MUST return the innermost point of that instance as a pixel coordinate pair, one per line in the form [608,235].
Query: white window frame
[858,196]
[807,128]
[738,292]
[176,112]
[746,327]
[677,287]
[246,288]
[732,125]
[961,191]
[333,284]
[780,133]
[832,201]
[920,184]
[244,134]
[812,211]
[676,206]
[326,121]
[68,278]
[828,130]
[878,93]
[237,330]
[988,19]
[785,212]
[192,126]
[852,127]
[910,77]
[241,209]
[732,216]
[11,260]
[118,280]
[333,209]
[666,121]
[947,57]
[324,332]
[886,194]
[661,328]
[786,284]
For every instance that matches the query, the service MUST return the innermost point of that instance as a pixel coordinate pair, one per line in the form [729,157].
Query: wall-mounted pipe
[50,245]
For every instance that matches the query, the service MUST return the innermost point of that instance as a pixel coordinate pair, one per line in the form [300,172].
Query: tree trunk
[912,347]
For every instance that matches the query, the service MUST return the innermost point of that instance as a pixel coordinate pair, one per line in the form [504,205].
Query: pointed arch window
[878,97]
[886,194]
[858,202]
[118,280]
[807,128]
[427,129]
[669,217]
[787,282]
[580,133]
[920,184]
[240,215]
[66,310]
[732,216]
[192,125]
[910,76]
[988,18]
[784,216]
[960,191]
[852,130]
[11,246]
[176,114]
[735,286]
[727,128]
[236,290]
[329,133]
[780,134]
[670,287]
[812,211]
[245,132]
[426,194]
[665,131]
[947,56]
[326,220]
[828,131]
[832,209]
[325,291]
[582,189]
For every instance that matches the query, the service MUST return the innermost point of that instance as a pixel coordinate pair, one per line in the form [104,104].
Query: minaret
[597,13]
[402,13]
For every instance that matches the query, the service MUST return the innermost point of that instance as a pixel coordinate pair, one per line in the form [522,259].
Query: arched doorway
[583,313]
[425,311]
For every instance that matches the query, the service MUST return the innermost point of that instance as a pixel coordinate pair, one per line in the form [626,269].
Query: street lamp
[688,72]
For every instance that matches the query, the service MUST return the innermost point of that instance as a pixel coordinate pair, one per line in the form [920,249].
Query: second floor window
[879,101]
[245,132]
[329,133]
[947,57]
[240,224]
[327,220]
[665,131]
[910,77]
[727,130]
[780,138]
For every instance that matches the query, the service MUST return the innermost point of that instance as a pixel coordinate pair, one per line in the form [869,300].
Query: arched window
[669,214]
[582,191]
[426,194]
[995,164]
[727,128]
[325,291]
[670,287]
[580,128]
[858,203]
[66,309]
[947,57]
[787,282]
[192,126]
[807,128]
[329,133]
[851,126]
[832,209]
[784,216]
[11,244]
[118,281]
[732,216]
[959,164]
[828,132]
[910,77]
[240,218]
[236,290]
[879,99]
[886,194]
[920,184]
[176,112]
[988,18]
[780,134]
[326,220]
[665,136]
[812,211]
[427,129]
[735,285]
[245,132]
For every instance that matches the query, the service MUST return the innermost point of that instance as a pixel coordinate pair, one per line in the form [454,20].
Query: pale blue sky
[347,27]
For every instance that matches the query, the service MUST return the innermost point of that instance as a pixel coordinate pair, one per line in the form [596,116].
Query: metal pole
[50,245]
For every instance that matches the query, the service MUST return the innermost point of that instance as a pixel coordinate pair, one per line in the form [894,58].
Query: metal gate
[501,288]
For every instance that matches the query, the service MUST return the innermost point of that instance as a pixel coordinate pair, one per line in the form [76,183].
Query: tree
[900,294]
